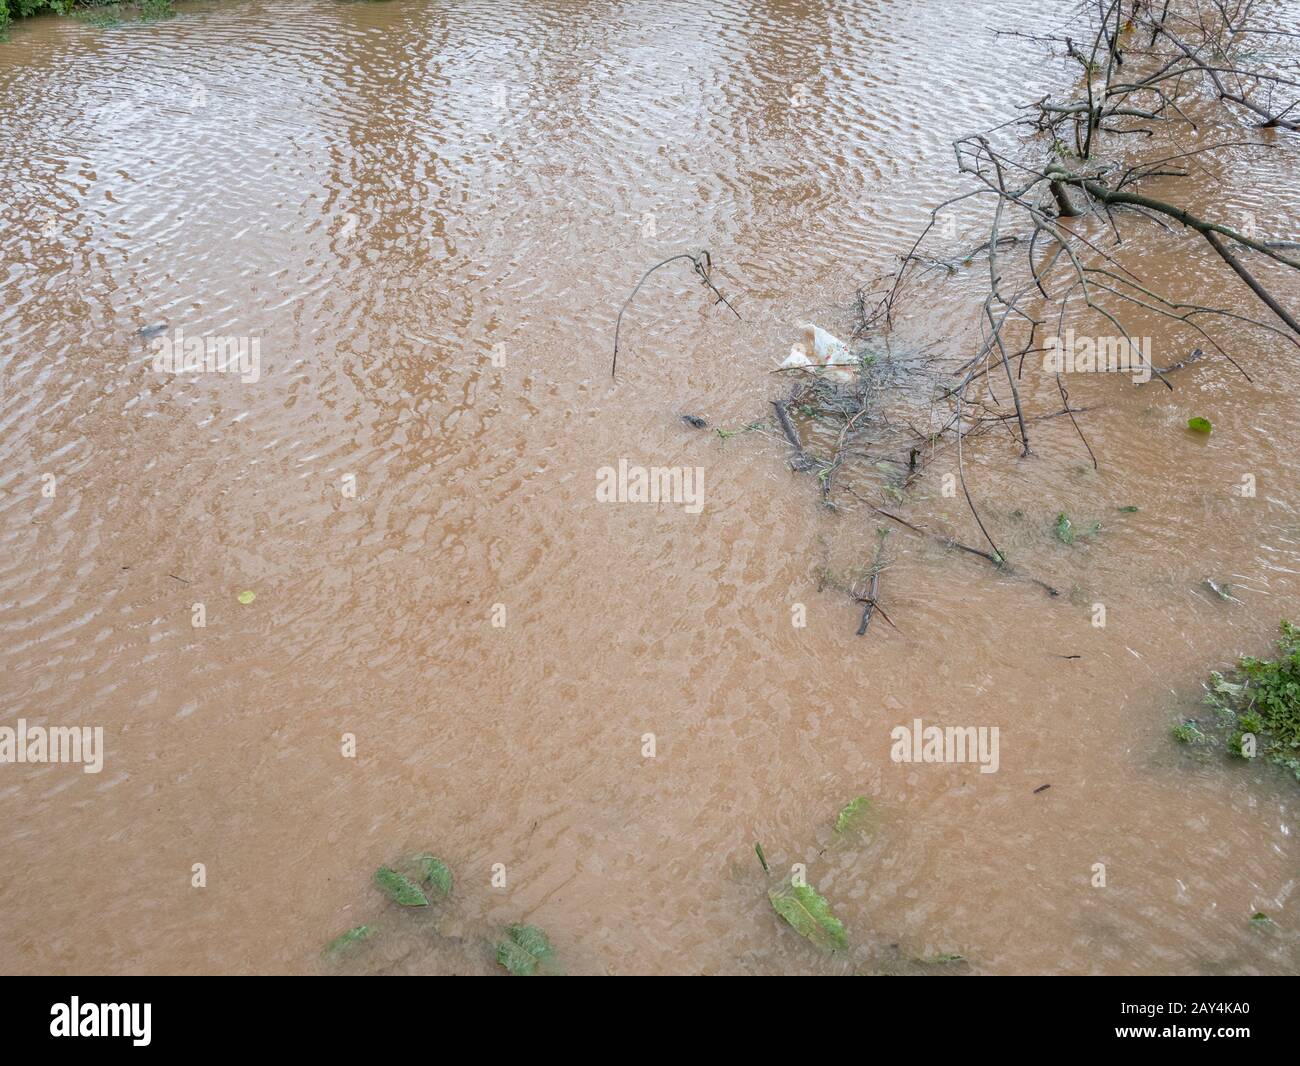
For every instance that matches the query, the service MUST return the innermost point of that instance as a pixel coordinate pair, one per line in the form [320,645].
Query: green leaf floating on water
[811,916]
[1064,530]
[1199,425]
[850,813]
[247,596]
[758,850]
[399,889]
[352,936]
[524,947]
[436,872]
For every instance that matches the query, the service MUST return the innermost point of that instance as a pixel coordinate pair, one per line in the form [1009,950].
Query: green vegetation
[399,889]
[12,9]
[96,12]
[352,936]
[1257,709]
[809,914]
[406,883]
[1273,688]
[1066,532]
[1200,425]
[849,815]
[1189,733]
[727,434]
[436,872]
[799,904]
[524,948]
[105,16]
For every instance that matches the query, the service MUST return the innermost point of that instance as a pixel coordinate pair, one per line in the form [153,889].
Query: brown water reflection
[429,214]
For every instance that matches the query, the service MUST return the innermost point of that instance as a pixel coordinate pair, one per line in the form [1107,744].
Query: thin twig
[702,263]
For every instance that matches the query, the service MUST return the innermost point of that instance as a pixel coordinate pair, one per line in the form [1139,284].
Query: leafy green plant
[398,888]
[1066,532]
[1263,702]
[1222,689]
[524,948]
[405,881]
[103,17]
[808,914]
[850,813]
[95,12]
[436,872]
[802,908]
[1188,733]
[346,940]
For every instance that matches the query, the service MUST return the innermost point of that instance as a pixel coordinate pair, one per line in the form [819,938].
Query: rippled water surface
[428,214]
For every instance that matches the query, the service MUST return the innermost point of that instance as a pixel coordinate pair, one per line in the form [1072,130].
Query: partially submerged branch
[1066,270]
[702,264]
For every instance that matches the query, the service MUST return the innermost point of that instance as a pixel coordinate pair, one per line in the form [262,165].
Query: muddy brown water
[428,215]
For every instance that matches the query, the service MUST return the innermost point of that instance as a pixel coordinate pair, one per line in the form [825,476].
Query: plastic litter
[821,351]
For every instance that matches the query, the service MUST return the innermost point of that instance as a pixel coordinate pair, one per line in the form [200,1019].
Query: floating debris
[436,872]
[820,350]
[352,936]
[1064,530]
[398,888]
[809,915]
[850,813]
[701,263]
[1224,591]
[523,950]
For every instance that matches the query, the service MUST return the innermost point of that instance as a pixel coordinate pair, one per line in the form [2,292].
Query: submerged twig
[802,460]
[703,266]
[871,599]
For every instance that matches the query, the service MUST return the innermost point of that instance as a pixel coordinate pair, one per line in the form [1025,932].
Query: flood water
[429,214]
